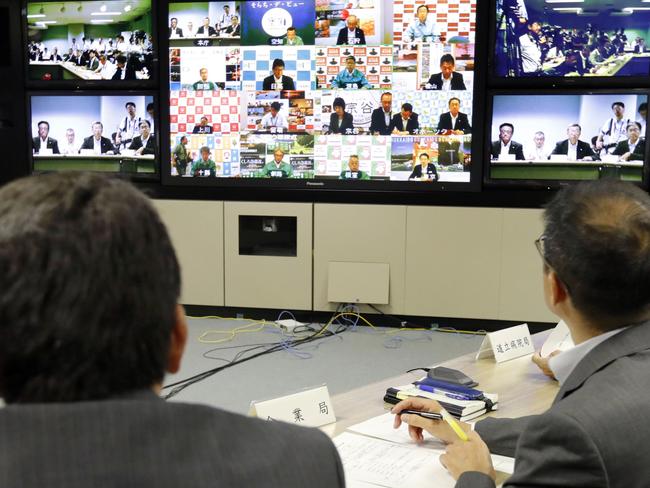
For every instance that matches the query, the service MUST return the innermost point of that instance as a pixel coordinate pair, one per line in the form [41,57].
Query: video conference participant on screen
[405,122]
[447,79]
[203,127]
[454,120]
[204,166]
[530,49]
[93,62]
[614,130]
[225,19]
[632,149]
[426,170]
[539,152]
[206,30]
[234,29]
[505,144]
[129,126]
[350,77]
[124,70]
[341,122]
[292,39]
[174,30]
[205,84]
[573,147]
[278,81]
[277,168]
[381,118]
[180,156]
[97,143]
[274,120]
[43,140]
[353,172]
[351,34]
[422,28]
[106,69]
[145,143]
[69,147]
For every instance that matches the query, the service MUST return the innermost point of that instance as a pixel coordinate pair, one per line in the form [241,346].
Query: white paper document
[381,427]
[389,464]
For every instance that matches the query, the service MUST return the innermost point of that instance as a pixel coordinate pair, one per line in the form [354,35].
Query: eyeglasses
[540,245]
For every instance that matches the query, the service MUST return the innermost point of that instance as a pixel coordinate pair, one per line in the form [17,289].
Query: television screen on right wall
[547,138]
[564,38]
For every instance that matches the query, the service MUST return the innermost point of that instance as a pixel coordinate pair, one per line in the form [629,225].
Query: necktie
[118,74]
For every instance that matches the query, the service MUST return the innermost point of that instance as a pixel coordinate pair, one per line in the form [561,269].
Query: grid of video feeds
[558,38]
[569,136]
[324,89]
[89,40]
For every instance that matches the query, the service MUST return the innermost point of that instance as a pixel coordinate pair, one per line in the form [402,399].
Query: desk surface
[522,388]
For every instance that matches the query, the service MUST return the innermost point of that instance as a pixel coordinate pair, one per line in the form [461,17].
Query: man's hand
[471,455]
[542,363]
[437,428]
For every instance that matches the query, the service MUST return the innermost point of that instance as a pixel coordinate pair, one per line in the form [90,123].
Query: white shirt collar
[564,363]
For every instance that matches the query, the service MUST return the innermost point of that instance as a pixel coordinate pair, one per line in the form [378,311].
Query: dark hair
[292,28]
[121,59]
[507,124]
[145,121]
[408,107]
[150,105]
[204,148]
[89,284]
[422,6]
[129,103]
[276,106]
[575,125]
[339,102]
[597,239]
[352,58]
[633,124]
[277,62]
[425,155]
[620,104]
[452,99]
[643,106]
[447,58]
[173,18]
[43,122]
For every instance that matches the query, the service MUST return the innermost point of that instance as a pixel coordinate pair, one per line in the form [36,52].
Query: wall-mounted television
[327,94]
[90,43]
[549,138]
[113,132]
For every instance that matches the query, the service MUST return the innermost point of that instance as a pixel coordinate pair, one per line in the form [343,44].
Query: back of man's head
[597,239]
[89,283]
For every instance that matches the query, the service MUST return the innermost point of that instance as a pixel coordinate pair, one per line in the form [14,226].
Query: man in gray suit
[89,323]
[596,254]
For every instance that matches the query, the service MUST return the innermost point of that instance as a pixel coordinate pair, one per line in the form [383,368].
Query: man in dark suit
[278,81]
[596,270]
[87,409]
[124,70]
[351,34]
[454,121]
[98,143]
[206,30]
[174,30]
[573,147]
[405,122]
[43,141]
[381,118]
[632,149]
[447,79]
[93,60]
[145,143]
[426,170]
[505,144]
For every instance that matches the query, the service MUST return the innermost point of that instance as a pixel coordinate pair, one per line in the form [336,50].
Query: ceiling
[72,15]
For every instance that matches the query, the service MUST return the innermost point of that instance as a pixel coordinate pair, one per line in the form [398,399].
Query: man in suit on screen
[90,287]
[454,121]
[633,148]
[145,143]
[277,80]
[405,122]
[98,143]
[447,79]
[573,147]
[595,256]
[381,117]
[505,145]
[351,34]
[43,142]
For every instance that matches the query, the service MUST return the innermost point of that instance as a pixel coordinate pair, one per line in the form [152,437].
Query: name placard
[310,408]
[506,344]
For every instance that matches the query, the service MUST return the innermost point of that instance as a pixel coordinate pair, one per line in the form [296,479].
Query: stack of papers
[374,454]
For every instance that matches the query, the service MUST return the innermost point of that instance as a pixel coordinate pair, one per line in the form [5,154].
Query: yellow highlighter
[446,416]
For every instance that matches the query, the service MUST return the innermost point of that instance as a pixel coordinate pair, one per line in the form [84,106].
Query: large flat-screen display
[87,132]
[541,138]
[564,38]
[90,42]
[374,92]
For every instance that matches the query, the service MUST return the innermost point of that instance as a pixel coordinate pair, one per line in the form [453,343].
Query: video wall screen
[568,136]
[98,41]
[543,38]
[306,89]
[108,133]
